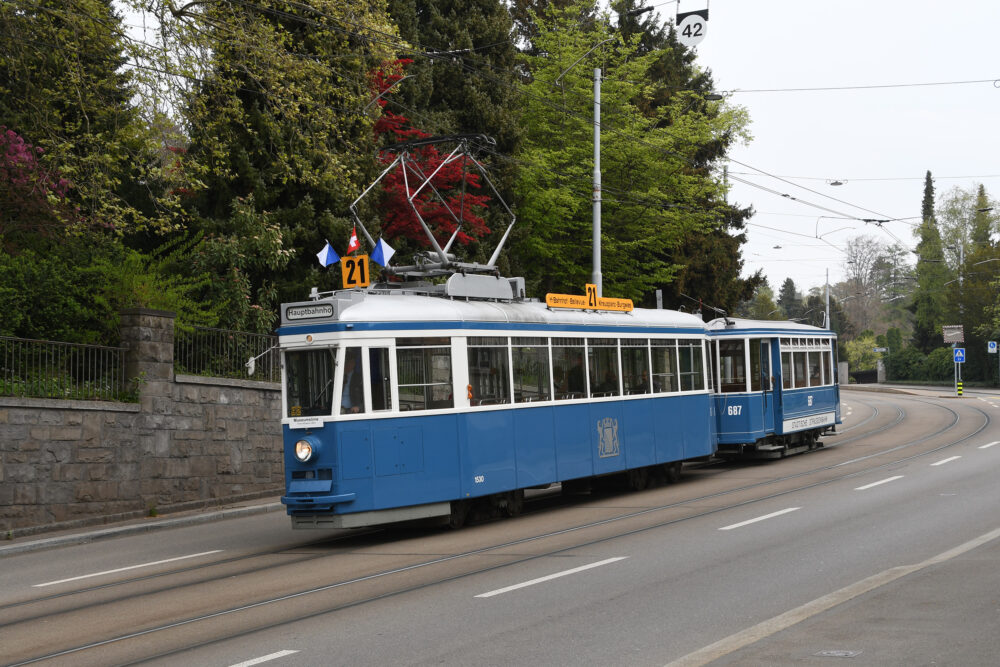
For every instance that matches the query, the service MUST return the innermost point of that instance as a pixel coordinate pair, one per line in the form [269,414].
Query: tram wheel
[459,513]
[673,471]
[638,479]
[513,503]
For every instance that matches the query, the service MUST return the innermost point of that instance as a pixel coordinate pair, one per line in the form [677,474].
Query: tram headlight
[303,450]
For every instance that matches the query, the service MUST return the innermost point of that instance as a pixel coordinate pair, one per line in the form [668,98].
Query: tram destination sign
[588,301]
[310,312]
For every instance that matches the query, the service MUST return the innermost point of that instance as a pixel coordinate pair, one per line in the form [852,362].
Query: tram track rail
[350,541]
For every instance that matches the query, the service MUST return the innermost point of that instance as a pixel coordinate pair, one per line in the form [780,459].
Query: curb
[136,529]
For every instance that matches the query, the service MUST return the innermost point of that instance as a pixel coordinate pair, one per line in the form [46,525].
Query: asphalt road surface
[880,548]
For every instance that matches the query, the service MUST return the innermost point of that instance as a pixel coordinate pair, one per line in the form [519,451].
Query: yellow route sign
[588,301]
[355,272]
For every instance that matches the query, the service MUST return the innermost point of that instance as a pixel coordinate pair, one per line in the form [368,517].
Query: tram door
[761,378]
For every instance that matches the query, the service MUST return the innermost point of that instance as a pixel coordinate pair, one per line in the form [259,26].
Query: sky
[879,142]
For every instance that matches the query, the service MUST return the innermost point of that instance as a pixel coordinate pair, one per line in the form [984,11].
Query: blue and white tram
[776,386]
[403,403]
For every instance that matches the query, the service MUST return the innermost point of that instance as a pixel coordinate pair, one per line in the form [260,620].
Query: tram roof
[738,324]
[381,310]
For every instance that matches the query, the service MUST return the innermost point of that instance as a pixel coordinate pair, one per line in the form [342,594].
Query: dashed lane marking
[878,483]
[947,460]
[760,518]
[264,658]
[550,577]
[989,444]
[123,569]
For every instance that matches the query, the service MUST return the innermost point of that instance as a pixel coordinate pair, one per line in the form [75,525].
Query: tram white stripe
[947,460]
[989,444]
[760,518]
[264,658]
[130,567]
[883,481]
[550,577]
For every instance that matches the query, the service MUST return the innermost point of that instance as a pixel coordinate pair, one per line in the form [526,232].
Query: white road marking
[123,569]
[884,481]
[760,518]
[989,444]
[264,658]
[550,577]
[781,622]
[947,460]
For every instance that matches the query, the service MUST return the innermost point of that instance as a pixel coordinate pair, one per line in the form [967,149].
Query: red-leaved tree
[399,218]
[33,199]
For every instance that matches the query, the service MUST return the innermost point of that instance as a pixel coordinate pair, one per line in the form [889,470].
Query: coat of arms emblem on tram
[607,430]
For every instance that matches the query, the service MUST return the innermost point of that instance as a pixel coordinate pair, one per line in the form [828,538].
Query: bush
[907,364]
[939,365]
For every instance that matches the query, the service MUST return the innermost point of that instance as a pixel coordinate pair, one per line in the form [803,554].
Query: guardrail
[50,369]
[224,353]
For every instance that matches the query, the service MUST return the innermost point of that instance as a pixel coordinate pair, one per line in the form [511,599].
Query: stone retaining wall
[190,441]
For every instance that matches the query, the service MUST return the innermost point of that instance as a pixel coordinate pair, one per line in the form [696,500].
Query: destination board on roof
[588,301]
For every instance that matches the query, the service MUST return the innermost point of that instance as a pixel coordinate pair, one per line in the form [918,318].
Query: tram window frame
[635,366]
[799,369]
[603,367]
[569,368]
[666,377]
[379,373]
[692,351]
[438,393]
[787,381]
[753,346]
[354,395]
[827,367]
[732,357]
[528,371]
[814,367]
[489,370]
[322,386]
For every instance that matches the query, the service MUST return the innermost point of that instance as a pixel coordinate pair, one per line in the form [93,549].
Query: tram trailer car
[405,403]
[777,386]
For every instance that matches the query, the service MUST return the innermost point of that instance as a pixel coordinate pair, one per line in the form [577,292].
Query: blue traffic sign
[991,347]
[959,355]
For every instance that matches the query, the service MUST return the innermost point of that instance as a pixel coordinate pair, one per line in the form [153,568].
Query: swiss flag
[353,244]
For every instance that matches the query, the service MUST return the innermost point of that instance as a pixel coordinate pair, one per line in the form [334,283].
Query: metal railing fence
[224,353]
[49,369]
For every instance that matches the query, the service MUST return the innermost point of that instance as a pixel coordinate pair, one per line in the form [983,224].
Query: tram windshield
[309,382]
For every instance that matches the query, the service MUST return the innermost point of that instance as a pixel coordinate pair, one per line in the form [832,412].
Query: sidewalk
[143,525]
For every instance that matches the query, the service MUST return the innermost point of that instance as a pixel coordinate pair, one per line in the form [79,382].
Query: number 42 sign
[691,26]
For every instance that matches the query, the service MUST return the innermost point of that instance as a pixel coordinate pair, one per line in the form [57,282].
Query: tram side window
[309,382]
[755,369]
[531,369]
[568,373]
[815,371]
[786,370]
[602,358]
[665,378]
[799,369]
[732,365]
[692,365]
[635,365]
[378,362]
[423,369]
[352,394]
[489,370]
[827,368]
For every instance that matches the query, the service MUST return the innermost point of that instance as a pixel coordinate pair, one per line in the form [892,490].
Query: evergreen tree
[929,297]
[789,300]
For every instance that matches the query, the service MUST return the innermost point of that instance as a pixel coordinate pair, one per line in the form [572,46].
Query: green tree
[275,100]
[929,297]
[63,89]
[761,306]
[654,191]
[789,299]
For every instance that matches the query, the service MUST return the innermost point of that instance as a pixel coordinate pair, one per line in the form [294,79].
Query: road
[879,546]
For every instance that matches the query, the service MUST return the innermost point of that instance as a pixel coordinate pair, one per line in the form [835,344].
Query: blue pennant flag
[327,255]
[383,253]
